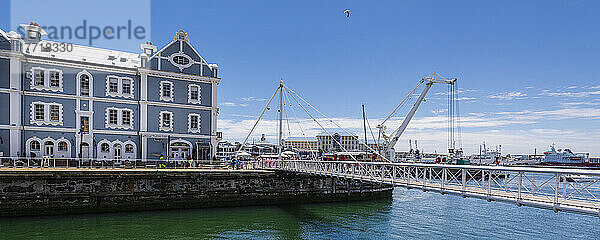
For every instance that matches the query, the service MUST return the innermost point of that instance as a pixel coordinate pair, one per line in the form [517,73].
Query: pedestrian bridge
[558,189]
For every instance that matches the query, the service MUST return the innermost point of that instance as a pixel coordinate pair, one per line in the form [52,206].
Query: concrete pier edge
[53,192]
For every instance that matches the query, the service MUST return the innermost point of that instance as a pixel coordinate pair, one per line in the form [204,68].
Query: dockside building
[88,102]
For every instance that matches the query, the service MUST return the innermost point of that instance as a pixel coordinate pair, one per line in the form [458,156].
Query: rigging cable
[315,109]
[315,120]
[259,117]
[312,154]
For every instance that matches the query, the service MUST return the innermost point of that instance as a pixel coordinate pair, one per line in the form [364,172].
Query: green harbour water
[411,214]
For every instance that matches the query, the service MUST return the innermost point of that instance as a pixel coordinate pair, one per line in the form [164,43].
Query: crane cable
[411,93]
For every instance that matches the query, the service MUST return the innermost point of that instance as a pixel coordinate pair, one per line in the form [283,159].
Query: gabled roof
[3,34]
[183,41]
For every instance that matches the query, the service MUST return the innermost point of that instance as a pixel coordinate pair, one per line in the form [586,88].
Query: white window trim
[119,124]
[160,122]
[194,101]
[28,149]
[161,97]
[190,123]
[100,153]
[46,120]
[91,84]
[62,139]
[42,142]
[47,87]
[119,92]
[111,149]
[126,155]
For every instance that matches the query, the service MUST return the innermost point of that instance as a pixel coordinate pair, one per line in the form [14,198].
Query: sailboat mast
[365,125]
[280,118]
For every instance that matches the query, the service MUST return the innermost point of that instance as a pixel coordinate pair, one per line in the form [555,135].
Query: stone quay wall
[51,192]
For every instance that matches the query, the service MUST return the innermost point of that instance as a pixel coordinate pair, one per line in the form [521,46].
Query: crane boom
[429,81]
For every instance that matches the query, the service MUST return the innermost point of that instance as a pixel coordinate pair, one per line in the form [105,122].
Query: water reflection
[282,222]
[412,214]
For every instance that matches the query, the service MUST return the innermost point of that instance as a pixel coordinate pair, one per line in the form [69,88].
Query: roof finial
[181,35]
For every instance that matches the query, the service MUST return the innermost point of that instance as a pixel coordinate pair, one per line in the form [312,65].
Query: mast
[280,117]
[365,125]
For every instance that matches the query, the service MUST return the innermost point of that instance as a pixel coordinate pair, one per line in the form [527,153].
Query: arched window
[49,143]
[128,148]
[35,145]
[104,147]
[84,84]
[62,146]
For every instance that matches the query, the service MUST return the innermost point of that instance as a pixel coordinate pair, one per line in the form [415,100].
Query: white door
[49,150]
[117,152]
[85,151]
[176,153]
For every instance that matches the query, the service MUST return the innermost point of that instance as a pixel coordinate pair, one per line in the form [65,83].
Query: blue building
[67,101]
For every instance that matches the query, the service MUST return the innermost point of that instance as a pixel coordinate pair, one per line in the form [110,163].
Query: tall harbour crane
[391,140]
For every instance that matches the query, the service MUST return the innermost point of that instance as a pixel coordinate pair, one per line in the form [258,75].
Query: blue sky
[528,70]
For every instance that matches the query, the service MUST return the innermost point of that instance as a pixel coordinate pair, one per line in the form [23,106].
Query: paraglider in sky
[347,12]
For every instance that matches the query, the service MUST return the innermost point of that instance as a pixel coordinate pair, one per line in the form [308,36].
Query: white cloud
[569,94]
[231,104]
[512,141]
[249,99]
[432,131]
[509,95]
[465,98]
[434,138]
[459,91]
[589,103]
[558,114]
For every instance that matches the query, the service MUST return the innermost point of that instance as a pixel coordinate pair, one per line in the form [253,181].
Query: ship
[566,157]
[487,156]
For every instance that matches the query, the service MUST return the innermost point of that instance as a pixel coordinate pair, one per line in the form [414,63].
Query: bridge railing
[559,189]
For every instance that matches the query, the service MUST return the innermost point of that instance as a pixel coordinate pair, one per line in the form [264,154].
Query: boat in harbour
[487,156]
[566,157]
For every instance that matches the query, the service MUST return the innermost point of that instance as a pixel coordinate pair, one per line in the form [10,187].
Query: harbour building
[336,142]
[301,143]
[66,101]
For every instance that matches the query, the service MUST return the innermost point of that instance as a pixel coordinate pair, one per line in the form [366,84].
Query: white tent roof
[242,153]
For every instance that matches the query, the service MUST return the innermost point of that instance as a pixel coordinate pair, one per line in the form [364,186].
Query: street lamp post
[80,143]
